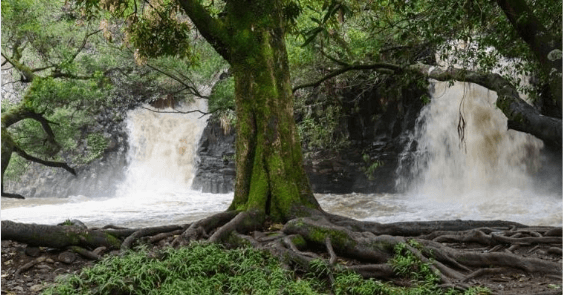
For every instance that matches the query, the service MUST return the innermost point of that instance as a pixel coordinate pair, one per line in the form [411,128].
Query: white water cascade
[161,156]
[488,175]
[468,165]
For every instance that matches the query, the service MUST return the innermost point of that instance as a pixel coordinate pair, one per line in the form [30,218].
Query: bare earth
[49,266]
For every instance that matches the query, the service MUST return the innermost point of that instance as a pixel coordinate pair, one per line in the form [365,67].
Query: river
[491,174]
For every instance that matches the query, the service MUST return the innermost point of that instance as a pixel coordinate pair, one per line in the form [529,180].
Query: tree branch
[26,72]
[385,67]
[29,157]
[191,88]
[538,38]
[521,116]
[177,112]
[212,29]
[42,68]
[79,49]
[58,74]
[530,29]
[334,59]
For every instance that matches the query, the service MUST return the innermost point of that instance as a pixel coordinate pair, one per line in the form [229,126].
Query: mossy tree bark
[270,176]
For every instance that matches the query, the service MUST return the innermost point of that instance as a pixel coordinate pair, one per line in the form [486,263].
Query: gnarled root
[364,247]
[453,265]
[199,229]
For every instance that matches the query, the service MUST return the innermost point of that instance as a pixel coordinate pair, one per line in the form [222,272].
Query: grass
[210,269]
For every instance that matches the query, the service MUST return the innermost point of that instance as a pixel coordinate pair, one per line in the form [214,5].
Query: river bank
[30,270]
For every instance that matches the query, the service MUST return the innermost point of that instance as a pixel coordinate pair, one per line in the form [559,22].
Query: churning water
[161,155]
[468,165]
[481,172]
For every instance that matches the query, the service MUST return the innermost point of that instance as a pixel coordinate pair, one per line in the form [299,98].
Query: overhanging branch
[211,28]
[26,72]
[381,67]
[177,112]
[521,116]
[193,89]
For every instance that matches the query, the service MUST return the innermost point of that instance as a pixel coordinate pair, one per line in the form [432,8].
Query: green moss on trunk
[270,175]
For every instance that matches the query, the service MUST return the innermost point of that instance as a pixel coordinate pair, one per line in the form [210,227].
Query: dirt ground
[50,264]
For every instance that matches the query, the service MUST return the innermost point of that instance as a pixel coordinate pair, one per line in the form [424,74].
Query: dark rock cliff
[376,124]
[215,164]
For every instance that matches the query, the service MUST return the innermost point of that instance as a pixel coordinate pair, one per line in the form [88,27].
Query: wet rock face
[216,160]
[377,125]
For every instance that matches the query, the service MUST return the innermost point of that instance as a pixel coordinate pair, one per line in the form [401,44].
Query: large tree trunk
[270,175]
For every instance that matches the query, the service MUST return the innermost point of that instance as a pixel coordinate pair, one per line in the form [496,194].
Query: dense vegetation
[211,269]
[273,49]
[93,62]
[67,68]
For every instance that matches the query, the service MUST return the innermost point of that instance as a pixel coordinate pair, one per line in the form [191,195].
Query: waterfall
[490,174]
[463,160]
[156,187]
[162,149]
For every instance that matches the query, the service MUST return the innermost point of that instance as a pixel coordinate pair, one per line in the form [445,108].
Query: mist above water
[466,164]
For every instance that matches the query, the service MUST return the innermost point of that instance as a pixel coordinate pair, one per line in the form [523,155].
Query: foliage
[406,264]
[371,166]
[67,222]
[81,66]
[204,268]
[223,96]
[71,105]
[197,269]
[159,32]
[318,130]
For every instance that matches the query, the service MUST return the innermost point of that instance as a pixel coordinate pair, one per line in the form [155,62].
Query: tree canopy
[263,42]
[62,71]
[88,47]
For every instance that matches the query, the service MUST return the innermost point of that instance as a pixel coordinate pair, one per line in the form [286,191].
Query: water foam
[468,165]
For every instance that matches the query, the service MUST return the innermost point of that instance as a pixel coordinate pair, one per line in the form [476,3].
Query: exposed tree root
[376,271]
[28,265]
[199,229]
[243,222]
[483,271]
[56,236]
[88,254]
[163,236]
[364,247]
[146,232]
